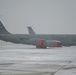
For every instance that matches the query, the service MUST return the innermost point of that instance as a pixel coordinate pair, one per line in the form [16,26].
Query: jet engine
[41,43]
[53,43]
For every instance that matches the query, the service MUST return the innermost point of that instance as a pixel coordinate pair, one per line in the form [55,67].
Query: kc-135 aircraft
[38,40]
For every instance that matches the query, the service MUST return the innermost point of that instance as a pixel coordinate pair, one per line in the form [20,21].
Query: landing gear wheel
[41,47]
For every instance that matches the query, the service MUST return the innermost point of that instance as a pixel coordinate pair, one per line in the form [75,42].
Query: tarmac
[24,60]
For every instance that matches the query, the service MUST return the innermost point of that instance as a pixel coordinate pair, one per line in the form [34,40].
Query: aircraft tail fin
[31,31]
[3,29]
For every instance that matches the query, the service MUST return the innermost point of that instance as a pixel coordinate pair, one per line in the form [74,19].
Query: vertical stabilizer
[31,31]
[3,29]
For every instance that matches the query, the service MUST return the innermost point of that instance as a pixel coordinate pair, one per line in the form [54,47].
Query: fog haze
[44,16]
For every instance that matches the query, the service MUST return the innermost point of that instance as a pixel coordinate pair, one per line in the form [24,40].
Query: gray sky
[45,16]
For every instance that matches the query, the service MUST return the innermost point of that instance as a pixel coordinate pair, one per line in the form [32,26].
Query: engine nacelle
[53,43]
[39,43]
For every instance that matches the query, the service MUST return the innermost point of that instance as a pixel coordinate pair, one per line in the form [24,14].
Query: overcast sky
[44,16]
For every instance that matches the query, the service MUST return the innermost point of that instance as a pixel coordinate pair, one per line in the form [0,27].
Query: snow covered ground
[27,60]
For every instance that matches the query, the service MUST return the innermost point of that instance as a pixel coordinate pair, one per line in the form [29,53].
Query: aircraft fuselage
[66,40]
